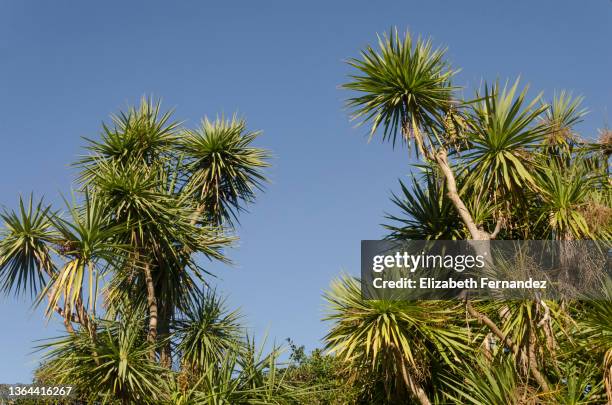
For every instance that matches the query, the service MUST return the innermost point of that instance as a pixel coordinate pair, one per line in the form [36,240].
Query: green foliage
[397,340]
[504,132]
[113,364]
[206,331]
[562,115]
[245,375]
[426,212]
[405,84]
[578,386]
[153,199]
[86,245]
[325,374]
[143,136]
[563,193]
[485,384]
[24,247]
[500,166]
[225,170]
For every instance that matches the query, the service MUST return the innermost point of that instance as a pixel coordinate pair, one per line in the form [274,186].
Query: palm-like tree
[113,365]
[26,247]
[397,340]
[151,191]
[206,331]
[403,88]
[152,197]
[224,168]
[508,166]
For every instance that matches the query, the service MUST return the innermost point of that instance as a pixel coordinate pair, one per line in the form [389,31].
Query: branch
[453,194]
[196,214]
[482,318]
[533,364]
[498,227]
[546,316]
[418,139]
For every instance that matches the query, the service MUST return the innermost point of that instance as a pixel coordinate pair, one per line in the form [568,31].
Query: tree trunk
[197,214]
[165,313]
[608,374]
[441,159]
[453,195]
[413,386]
[418,391]
[533,363]
[67,319]
[152,303]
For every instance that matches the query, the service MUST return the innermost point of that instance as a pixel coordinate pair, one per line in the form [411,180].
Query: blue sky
[65,66]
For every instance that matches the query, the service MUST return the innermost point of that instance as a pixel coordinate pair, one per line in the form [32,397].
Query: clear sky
[65,66]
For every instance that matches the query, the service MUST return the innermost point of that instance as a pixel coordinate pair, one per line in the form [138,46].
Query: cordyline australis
[119,264]
[497,166]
